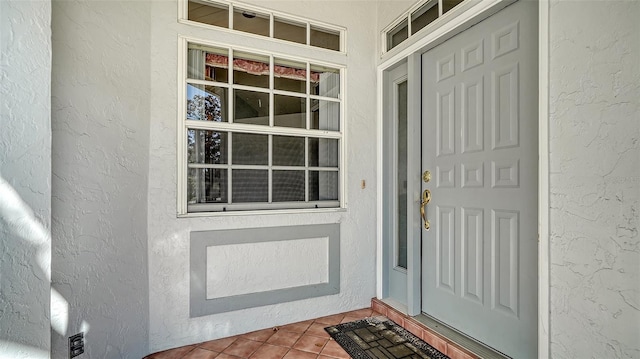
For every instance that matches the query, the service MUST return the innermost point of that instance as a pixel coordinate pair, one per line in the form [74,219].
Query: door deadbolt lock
[426,176]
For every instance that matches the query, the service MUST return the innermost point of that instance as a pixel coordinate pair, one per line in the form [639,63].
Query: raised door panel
[445,127]
[505,236]
[473,115]
[472,248]
[505,110]
[446,249]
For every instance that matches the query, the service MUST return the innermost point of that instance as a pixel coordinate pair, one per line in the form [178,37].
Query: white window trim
[182,124]
[433,26]
[183,11]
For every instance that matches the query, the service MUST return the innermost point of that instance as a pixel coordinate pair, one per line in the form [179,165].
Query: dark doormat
[381,339]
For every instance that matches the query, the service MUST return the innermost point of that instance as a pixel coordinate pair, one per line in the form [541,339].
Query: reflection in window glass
[251,107]
[250,69]
[325,81]
[397,35]
[207,147]
[401,186]
[209,13]
[216,67]
[323,152]
[249,149]
[288,186]
[288,151]
[289,30]
[250,21]
[325,115]
[326,39]
[206,185]
[206,103]
[207,63]
[290,111]
[215,73]
[250,186]
[449,4]
[425,15]
[290,75]
[323,185]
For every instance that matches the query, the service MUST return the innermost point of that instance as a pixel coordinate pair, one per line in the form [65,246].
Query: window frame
[183,17]
[443,17]
[183,125]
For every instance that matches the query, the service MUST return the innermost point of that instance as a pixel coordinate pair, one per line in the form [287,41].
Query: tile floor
[303,340]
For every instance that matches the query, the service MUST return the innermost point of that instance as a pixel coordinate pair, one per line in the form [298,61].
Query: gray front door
[479,141]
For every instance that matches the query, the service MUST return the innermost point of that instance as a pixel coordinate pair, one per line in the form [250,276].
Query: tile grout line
[306,332]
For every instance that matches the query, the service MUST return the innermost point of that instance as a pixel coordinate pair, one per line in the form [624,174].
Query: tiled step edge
[444,345]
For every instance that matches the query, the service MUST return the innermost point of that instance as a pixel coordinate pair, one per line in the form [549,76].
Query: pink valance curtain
[260,68]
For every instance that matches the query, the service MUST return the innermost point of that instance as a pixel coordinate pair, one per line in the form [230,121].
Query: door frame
[412,53]
[393,77]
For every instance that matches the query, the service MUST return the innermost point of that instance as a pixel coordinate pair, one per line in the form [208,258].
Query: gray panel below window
[200,240]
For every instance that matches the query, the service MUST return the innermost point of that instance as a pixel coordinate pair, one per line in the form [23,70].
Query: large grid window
[260,131]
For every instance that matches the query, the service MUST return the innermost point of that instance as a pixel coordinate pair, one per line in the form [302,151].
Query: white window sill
[261,212]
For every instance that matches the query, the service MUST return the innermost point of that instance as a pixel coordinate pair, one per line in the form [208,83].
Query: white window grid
[271,130]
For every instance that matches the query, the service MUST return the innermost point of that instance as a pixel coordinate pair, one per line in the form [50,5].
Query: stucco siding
[100,123]
[595,179]
[25,178]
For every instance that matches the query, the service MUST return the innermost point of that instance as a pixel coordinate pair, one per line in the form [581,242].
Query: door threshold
[440,336]
[397,306]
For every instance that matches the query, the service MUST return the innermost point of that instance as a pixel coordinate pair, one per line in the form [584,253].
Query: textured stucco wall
[169,236]
[25,178]
[100,124]
[595,179]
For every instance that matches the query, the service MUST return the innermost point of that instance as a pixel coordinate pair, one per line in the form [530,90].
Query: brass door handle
[426,198]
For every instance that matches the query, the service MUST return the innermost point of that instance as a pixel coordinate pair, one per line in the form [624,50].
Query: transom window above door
[415,19]
[258,131]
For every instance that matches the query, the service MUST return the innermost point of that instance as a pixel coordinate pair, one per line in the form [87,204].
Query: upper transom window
[262,22]
[258,131]
[414,20]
